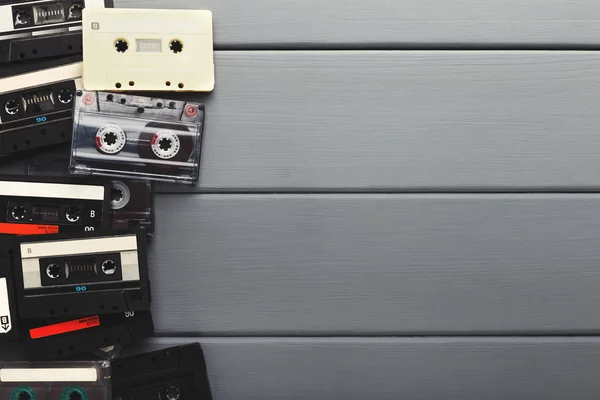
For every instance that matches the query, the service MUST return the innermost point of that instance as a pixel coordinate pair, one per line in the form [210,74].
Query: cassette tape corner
[67,275]
[67,380]
[129,136]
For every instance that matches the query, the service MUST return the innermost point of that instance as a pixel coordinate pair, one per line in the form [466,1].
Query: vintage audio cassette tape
[36,109]
[83,274]
[36,205]
[132,203]
[8,313]
[176,373]
[60,338]
[136,137]
[43,28]
[157,50]
[54,380]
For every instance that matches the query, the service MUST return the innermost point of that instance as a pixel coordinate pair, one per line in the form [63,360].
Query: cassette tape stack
[89,103]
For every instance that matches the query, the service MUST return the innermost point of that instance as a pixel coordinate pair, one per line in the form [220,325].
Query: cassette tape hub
[33,205]
[44,28]
[148,50]
[72,380]
[176,373]
[136,137]
[75,275]
[60,338]
[40,114]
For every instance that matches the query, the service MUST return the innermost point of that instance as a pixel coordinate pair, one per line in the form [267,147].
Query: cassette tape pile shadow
[104,84]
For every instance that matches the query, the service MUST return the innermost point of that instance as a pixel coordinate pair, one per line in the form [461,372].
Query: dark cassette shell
[82,274]
[175,373]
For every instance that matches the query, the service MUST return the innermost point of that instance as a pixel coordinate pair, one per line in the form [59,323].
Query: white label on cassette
[5,322]
[141,49]
[48,375]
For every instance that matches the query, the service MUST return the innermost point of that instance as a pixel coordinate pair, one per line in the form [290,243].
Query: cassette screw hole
[121,45]
[176,46]
[118,85]
[19,212]
[73,214]
[123,101]
[65,96]
[131,83]
[109,267]
[159,105]
[140,110]
[53,272]
[172,393]
[109,97]
[172,104]
[180,86]
[22,55]
[12,107]
[168,83]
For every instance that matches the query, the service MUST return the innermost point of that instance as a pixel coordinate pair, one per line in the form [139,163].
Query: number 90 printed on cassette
[135,136]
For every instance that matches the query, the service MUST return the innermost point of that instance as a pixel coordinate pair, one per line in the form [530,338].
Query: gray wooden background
[398,200]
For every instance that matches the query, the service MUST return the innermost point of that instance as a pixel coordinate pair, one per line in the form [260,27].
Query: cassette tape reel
[140,49]
[40,114]
[136,137]
[55,380]
[41,29]
[84,274]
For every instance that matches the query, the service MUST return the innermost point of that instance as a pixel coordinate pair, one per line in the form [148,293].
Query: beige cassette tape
[148,50]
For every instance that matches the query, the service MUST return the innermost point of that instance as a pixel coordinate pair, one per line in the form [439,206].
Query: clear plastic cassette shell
[139,137]
[55,380]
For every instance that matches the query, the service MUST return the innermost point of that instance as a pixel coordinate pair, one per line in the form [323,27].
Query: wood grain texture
[393,368]
[314,23]
[376,264]
[305,121]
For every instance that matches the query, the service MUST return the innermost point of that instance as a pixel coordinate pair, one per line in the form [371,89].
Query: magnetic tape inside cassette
[135,136]
[74,275]
[43,28]
[53,380]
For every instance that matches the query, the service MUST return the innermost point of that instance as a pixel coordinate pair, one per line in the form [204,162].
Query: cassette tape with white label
[55,380]
[136,137]
[83,274]
[141,49]
[43,28]
[36,109]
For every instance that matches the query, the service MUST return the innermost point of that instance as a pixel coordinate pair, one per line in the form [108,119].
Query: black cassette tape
[55,338]
[34,205]
[9,329]
[81,274]
[43,28]
[40,114]
[176,373]
[132,203]
[55,380]
[136,137]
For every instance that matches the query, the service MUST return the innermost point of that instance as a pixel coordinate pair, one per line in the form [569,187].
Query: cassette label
[136,137]
[173,373]
[52,338]
[41,29]
[41,114]
[32,206]
[5,314]
[62,275]
[141,49]
[55,380]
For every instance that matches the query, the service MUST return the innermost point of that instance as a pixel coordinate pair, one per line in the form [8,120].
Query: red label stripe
[27,229]
[64,327]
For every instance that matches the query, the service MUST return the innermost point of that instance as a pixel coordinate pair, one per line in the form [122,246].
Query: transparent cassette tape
[72,380]
[140,137]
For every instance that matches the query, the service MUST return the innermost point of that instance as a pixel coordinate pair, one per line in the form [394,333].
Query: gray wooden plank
[314,23]
[396,368]
[376,264]
[407,120]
